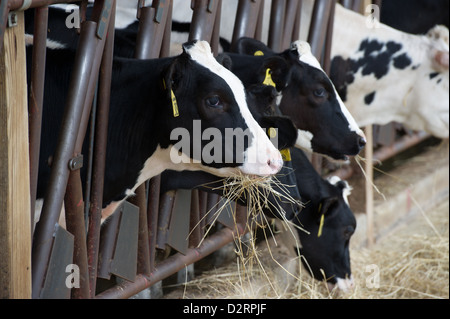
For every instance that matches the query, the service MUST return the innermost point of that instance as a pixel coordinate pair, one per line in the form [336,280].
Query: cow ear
[250,46]
[441,60]
[173,76]
[225,60]
[285,134]
[326,205]
[278,69]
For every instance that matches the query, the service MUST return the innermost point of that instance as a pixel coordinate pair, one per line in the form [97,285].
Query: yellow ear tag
[268,80]
[259,53]
[286,154]
[322,220]
[272,132]
[176,112]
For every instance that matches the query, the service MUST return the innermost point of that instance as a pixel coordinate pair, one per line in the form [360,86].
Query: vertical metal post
[247,18]
[319,23]
[277,24]
[86,67]
[36,98]
[101,133]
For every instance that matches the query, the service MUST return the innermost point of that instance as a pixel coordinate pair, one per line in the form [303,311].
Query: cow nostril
[362,142]
[275,164]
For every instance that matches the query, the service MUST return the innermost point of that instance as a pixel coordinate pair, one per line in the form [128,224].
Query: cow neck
[137,120]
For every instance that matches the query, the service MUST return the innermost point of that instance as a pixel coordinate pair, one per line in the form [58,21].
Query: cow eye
[321,92]
[348,232]
[214,102]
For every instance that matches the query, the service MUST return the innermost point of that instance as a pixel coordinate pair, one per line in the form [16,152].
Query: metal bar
[153,210]
[203,19]
[173,264]
[17,4]
[329,38]
[298,21]
[292,10]
[215,37]
[85,68]
[277,24]
[319,23]
[60,171]
[36,98]
[246,19]
[195,226]
[165,209]
[101,132]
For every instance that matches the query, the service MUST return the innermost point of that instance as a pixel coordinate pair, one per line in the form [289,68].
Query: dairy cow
[307,96]
[152,99]
[385,75]
[325,224]
[284,201]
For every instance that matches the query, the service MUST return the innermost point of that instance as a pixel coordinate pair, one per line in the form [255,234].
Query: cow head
[309,98]
[330,224]
[429,98]
[210,122]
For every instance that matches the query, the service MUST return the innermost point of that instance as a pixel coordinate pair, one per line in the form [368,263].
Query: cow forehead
[304,51]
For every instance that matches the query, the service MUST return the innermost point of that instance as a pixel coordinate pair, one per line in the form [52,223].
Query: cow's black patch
[369,98]
[433,75]
[377,59]
[402,61]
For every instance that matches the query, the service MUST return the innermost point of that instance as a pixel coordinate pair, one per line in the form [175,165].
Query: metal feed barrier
[133,244]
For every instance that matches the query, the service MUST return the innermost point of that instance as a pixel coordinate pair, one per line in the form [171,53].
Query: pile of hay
[413,262]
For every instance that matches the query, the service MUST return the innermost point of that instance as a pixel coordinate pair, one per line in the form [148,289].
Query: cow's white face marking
[304,139]
[305,55]
[260,151]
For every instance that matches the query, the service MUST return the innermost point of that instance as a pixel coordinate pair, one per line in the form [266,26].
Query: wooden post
[15,221]
[369,187]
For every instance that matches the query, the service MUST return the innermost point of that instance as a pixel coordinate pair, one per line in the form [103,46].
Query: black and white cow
[307,96]
[143,119]
[325,224]
[283,201]
[385,75]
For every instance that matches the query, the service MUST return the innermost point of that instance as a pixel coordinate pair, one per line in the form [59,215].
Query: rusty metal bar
[107,246]
[60,171]
[36,98]
[86,67]
[173,264]
[17,4]
[101,132]
[195,225]
[152,213]
[165,210]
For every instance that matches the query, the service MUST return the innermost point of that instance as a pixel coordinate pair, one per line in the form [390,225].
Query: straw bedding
[413,262]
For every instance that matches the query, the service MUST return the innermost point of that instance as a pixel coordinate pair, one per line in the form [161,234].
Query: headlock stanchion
[86,66]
